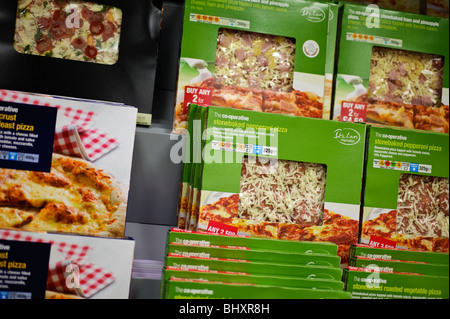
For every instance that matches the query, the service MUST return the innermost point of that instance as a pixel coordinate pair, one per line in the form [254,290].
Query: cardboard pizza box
[401,266]
[392,69]
[88,155]
[183,250]
[184,288]
[250,161]
[184,237]
[363,250]
[244,278]
[82,267]
[253,267]
[232,54]
[406,190]
[366,283]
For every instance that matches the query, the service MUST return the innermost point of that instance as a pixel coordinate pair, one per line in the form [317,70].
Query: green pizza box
[243,278]
[187,153]
[179,236]
[364,283]
[406,189]
[308,173]
[254,47]
[253,255]
[194,289]
[366,251]
[392,68]
[253,267]
[400,266]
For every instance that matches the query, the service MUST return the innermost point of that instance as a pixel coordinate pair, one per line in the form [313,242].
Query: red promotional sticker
[221,229]
[197,95]
[380,242]
[353,111]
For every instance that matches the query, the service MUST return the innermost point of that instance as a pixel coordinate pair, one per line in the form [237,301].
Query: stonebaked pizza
[74,197]
[282,191]
[68,29]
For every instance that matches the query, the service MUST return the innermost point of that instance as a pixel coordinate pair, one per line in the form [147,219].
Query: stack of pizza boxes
[211,266]
[392,73]
[274,176]
[390,273]
[252,97]
[61,183]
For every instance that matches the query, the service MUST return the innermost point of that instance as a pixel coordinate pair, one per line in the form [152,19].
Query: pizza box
[182,250]
[392,69]
[244,278]
[366,251]
[253,267]
[83,267]
[232,53]
[187,164]
[179,236]
[406,190]
[366,283]
[282,177]
[127,39]
[400,266]
[199,289]
[97,158]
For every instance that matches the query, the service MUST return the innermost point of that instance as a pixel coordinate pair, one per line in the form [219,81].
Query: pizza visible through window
[253,60]
[423,206]
[282,191]
[406,77]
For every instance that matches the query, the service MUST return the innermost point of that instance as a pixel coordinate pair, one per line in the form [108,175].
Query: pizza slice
[237,98]
[390,113]
[74,197]
[306,104]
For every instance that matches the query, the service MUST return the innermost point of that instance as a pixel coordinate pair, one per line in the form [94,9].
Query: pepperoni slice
[44,23]
[59,16]
[96,28]
[44,45]
[92,16]
[110,28]
[90,52]
[59,31]
[78,43]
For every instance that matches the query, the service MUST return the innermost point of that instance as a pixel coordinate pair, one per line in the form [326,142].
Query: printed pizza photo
[296,103]
[421,220]
[68,29]
[74,197]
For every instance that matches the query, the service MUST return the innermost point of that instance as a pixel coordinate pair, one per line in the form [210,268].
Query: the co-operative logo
[314,14]
[347,136]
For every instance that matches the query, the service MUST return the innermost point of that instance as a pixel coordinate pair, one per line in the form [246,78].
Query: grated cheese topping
[253,60]
[406,77]
[282,191]
[423,206]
